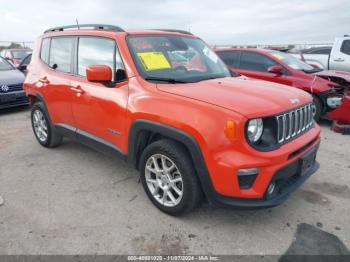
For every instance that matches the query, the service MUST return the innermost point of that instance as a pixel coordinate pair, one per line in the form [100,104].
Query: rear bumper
[289,179]
[13,99]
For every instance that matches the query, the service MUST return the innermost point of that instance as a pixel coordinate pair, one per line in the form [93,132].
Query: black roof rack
[93,26]
[175,31]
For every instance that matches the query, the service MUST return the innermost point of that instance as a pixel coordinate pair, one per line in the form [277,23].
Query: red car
[275,66]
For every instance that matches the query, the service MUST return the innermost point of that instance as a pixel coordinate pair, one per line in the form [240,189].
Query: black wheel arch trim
[178,135]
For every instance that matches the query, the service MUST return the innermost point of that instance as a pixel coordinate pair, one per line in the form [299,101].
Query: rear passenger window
[61,53]
[45,48]
[230,58]
[95,51]
[255,62]
[345,47]
[324,51]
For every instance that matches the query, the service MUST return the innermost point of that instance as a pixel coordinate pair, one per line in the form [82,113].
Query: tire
[43,130]
[178,161]
[317,108]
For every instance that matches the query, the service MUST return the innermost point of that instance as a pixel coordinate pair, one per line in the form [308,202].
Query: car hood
[248,97]
[11,77]
[334,75]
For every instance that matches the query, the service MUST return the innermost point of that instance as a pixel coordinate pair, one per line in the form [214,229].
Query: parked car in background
[11,82]
[24,64]
[283,68]
[336,57]
[166,103]
[16,55]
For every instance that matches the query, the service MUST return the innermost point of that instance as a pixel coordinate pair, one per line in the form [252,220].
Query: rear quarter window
[44,52]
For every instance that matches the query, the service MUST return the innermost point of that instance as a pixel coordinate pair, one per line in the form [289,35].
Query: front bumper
[13,99]
[289,178]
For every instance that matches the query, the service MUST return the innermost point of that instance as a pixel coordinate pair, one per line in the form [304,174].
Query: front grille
[11,88]
[294,123]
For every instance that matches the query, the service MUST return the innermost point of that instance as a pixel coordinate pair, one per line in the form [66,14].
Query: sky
[224,22]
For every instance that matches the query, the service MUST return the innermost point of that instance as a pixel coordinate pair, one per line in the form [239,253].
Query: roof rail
[175,31]
[93,26]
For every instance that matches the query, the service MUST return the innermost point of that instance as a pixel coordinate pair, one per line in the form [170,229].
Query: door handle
[44,80]
[339,60]
[77,89]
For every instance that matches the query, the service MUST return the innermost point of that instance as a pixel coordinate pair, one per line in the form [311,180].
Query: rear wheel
[168,177]
[317,108]
[42,128]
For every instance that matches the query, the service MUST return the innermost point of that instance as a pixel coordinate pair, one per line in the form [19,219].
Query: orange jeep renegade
[166,103]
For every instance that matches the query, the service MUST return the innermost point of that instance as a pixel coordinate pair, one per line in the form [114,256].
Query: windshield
[291,61]
[4,65]
[169,58]
[20,55]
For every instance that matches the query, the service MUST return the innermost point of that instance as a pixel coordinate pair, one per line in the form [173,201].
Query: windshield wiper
[168,80]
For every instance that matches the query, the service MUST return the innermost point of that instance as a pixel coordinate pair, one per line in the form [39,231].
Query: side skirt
[90,140]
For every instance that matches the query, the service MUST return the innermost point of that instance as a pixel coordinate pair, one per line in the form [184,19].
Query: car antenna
[76,20]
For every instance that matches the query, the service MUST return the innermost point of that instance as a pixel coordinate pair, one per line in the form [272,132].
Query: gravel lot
[73,200]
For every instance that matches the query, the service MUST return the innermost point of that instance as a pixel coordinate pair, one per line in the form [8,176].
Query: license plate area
[307,161]
[10,97]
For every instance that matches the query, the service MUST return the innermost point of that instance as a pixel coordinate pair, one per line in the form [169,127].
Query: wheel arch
[143,132]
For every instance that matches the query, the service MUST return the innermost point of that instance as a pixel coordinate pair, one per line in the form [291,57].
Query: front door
[256,66]
[99,110]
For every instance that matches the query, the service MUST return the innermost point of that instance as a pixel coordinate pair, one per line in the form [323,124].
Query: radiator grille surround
[294,123]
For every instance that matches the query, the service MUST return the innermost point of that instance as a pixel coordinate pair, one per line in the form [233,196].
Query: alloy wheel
[164,180]
[40,125]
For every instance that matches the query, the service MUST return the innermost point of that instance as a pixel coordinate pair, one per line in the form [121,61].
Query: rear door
[53,78]
[230,58]
[340,56]
[256,65]
[99,109]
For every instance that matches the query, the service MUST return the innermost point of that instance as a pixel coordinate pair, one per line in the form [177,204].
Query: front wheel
[168,177]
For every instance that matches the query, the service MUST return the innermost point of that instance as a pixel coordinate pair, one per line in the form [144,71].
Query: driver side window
[255,62]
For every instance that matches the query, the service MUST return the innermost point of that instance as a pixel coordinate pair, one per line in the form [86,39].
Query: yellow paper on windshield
[278,56]
[154,60]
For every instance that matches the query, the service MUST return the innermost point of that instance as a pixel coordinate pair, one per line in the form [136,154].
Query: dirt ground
[73,200]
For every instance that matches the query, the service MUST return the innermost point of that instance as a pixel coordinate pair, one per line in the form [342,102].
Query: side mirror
[275,70]
[99,73]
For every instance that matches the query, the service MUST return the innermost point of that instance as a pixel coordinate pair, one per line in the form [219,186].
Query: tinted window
[230,58]
[61,53]
[323,51]
[44,53]
[345,48]
[255,62]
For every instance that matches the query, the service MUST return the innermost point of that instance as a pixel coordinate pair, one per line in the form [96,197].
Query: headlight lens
[255,129]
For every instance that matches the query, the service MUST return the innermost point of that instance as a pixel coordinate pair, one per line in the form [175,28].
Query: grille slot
[293,123]
[13,88]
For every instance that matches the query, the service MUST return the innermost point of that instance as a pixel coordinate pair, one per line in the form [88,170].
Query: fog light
[271,188]
[246,177]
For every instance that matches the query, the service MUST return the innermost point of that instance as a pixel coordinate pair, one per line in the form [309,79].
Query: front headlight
[255,129]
